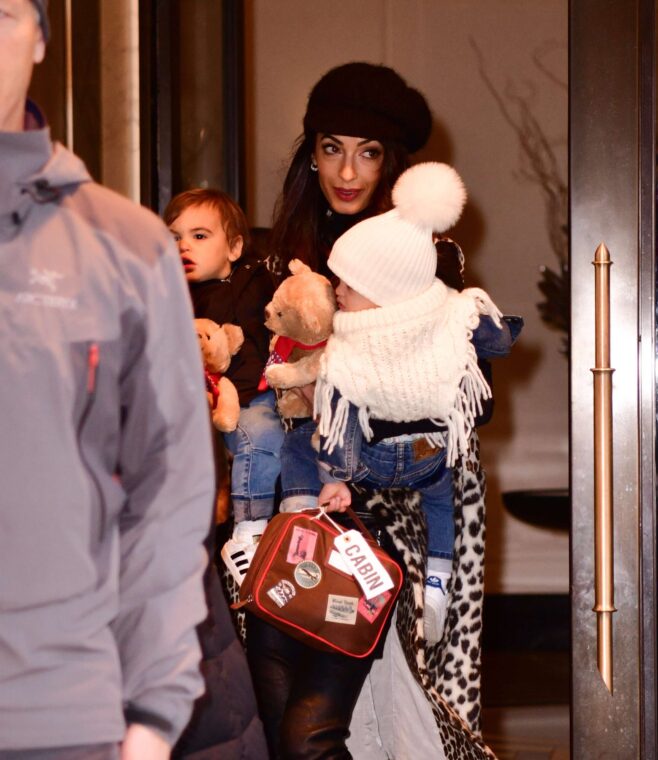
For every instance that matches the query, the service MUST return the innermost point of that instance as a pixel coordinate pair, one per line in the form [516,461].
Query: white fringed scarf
[410,361]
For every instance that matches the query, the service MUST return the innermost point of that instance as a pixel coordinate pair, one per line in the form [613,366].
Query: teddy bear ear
[297,266]
[312,321]
[201,328]
[205,326]
[235,338]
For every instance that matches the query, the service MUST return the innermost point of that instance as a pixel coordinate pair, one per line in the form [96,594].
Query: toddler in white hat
[401,352]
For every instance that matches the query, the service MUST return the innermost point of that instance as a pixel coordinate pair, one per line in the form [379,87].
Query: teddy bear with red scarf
[300,315]
[219,343]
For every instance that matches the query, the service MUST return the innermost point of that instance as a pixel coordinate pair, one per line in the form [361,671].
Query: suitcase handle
[354,518]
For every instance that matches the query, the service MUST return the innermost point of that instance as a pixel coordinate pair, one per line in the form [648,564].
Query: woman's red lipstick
[346,195]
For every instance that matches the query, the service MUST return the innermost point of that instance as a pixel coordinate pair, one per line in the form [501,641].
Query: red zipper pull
[92,364]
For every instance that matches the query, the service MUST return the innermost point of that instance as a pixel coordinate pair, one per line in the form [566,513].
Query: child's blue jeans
[400,463]
[255,445]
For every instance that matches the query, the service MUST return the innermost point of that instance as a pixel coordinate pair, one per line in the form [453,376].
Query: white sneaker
[436,603]
[239,550]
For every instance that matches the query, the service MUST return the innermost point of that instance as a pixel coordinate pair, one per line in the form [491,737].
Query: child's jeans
[255,445]
[403,462]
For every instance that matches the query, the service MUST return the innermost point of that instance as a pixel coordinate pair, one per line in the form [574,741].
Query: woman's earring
[314,165]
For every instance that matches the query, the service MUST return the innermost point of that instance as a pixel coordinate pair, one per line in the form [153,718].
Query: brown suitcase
[293,583]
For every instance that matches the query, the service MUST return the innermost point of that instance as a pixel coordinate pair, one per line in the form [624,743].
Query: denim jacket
[491,341]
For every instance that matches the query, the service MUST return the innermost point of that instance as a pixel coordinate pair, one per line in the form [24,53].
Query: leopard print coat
[448,671]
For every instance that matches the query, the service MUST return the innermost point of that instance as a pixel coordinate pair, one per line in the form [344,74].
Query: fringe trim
[484,305]
[330,427]
[459,422]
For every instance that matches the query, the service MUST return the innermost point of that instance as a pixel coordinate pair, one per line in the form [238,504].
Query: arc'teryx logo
[46,277]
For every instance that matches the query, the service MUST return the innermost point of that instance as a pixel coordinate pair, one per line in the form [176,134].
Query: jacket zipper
[92,368]
[93,361]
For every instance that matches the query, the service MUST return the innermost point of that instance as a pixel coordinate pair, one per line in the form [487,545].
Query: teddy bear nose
[267,311]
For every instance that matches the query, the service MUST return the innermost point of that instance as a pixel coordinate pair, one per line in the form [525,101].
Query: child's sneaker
[239,550]
[436,602]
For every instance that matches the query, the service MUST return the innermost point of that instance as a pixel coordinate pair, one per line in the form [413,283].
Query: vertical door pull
[603,525]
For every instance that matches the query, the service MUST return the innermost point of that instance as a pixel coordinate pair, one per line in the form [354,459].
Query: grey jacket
[105,462]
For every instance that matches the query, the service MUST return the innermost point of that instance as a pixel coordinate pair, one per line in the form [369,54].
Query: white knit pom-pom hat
[391,257]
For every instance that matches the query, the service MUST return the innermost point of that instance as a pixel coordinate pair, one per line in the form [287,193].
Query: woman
[337,177]
[362,123]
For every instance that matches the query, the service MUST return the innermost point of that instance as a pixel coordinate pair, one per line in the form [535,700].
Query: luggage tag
[367,570]
[338,563]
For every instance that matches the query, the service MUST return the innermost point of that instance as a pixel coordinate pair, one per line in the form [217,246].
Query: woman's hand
[335,497]
[143,743]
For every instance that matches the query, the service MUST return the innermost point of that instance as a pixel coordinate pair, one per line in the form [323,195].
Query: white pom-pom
[431,195]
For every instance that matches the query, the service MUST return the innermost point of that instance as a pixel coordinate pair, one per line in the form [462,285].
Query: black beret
[366,100]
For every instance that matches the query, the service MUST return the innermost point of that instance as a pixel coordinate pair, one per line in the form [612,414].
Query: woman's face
[349,170]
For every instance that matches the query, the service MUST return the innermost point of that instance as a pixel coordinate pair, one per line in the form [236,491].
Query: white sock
[439,565]
[436,597]
[298,503]
[249,531]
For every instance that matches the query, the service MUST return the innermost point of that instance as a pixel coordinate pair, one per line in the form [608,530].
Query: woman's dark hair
[301,207]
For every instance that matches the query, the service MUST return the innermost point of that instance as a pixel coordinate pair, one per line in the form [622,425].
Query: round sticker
[308,574]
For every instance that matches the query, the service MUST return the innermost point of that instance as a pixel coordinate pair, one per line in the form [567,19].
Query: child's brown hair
[233,219]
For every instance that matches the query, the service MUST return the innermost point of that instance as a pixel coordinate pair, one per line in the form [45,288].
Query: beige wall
[120,96]
[503,232]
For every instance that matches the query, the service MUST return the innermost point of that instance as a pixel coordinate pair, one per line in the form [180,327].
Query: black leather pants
[305,696]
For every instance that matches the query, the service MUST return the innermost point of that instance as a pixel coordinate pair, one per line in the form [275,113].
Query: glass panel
[198,155]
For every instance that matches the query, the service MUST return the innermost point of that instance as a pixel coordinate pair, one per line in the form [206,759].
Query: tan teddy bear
[218,344]
[300,315]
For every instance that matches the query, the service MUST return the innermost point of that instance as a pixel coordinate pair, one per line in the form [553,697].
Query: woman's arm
[449,263]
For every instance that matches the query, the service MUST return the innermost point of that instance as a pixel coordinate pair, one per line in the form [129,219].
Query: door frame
[160,148]
[612,200]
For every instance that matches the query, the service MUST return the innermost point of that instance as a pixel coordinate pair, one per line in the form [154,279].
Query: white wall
[291,43]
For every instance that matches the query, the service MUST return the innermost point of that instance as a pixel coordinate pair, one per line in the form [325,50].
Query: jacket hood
[62,169]
[33,170]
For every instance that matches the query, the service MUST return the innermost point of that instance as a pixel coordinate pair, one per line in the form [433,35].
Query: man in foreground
[105,462]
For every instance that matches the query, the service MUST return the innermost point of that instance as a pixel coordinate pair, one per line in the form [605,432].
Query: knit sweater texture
[406,362]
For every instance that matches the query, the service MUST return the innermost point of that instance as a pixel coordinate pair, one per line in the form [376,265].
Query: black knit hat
[42,8]
[365,100]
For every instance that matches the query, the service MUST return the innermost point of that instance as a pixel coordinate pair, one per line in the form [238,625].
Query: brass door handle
[603,525]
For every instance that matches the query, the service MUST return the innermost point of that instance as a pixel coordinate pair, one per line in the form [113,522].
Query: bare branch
[540,166]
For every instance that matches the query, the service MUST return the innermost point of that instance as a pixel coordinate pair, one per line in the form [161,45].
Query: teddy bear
[218,344]
[300,315]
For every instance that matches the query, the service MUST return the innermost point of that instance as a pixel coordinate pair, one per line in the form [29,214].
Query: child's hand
[335,497]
